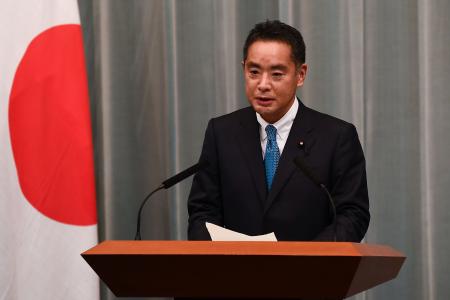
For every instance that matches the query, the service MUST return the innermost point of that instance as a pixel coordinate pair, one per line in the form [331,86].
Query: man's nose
[264,83]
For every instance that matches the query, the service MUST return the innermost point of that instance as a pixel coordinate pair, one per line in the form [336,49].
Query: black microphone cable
[307,171]
[165,185]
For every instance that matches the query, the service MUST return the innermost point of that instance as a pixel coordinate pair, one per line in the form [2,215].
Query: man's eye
[277,74]
[254,72]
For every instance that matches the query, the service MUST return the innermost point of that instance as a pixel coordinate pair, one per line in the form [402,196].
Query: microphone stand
[137,237]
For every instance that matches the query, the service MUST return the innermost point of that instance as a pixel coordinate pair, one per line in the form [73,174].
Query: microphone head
[185,174]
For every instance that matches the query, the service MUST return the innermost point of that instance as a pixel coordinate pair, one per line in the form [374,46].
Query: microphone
[184,174]
[167,184]
[307,171]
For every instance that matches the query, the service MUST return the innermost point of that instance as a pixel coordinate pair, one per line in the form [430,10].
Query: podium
[308,270]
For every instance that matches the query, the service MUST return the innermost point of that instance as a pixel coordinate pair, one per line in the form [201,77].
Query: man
[251,184]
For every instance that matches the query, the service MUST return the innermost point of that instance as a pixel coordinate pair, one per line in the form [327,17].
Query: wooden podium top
[241,248]
[313,270]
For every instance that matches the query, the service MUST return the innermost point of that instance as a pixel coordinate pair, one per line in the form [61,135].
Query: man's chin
[266,114]
[263,109]
[262,112]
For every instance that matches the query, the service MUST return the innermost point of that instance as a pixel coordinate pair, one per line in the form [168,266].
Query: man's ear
[243,65]
[301,74]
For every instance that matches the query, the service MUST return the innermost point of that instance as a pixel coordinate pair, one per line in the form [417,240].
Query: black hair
[278,31]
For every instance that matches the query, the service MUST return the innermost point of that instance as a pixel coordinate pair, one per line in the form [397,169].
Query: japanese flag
[47,191]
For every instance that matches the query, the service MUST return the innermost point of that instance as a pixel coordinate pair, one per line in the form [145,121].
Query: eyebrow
[282,67]
[279,67]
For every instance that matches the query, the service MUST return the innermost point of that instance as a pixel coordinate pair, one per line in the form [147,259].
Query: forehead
[269,52]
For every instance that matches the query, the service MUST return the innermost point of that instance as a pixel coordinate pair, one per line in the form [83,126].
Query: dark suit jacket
[232,191]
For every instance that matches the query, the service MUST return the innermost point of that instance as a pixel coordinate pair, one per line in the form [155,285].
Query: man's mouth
[264,99]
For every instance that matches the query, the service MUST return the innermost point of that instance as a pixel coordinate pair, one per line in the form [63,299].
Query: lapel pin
[302,146]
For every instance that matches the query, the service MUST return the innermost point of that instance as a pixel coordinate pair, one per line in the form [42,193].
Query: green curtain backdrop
[159,70]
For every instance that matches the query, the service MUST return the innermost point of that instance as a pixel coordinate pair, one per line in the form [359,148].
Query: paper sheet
[219,233]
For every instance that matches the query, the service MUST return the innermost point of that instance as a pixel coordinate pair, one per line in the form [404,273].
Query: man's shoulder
[234,118]
[324,121]
[313,118]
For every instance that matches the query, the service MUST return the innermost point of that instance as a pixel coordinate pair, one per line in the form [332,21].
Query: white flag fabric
[47,191]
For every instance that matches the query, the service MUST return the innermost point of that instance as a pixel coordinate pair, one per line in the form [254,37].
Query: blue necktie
[272,155]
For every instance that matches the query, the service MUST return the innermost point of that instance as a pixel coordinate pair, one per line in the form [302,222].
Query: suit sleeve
[348,189]
[204,203]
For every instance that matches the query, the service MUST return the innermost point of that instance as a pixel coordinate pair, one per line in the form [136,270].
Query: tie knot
[271,132]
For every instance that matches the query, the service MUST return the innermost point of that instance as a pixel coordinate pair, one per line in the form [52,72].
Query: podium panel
[312,270]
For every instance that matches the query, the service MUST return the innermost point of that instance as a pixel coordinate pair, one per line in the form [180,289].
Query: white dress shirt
[283,127]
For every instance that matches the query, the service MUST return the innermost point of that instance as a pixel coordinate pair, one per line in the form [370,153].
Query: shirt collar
[283,125]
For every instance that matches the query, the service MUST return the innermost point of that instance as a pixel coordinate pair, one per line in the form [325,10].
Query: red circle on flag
[50,127]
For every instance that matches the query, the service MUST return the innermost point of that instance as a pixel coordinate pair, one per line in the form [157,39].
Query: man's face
[271,78]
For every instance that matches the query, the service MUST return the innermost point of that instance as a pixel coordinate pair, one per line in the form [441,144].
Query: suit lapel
[301,130]
[249,141]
